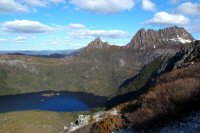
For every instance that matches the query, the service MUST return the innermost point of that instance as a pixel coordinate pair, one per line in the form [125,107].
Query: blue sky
[72,24]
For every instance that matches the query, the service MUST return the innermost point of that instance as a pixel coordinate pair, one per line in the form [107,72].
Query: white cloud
[87,33]
[11,6]
[21,6]
[76,26]
[189,9]
[174,1]
[81,31]
[20,39]
[57,1]
[54,41]
[194,27]
[3,40]
[148,5]
[26,26]
[164,18]
[103,6]
[42,3]
[36,3]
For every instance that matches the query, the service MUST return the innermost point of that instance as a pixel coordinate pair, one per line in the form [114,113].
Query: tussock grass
[174,93]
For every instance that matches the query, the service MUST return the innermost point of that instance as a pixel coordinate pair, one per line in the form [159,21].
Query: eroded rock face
[190,54]
[162,38]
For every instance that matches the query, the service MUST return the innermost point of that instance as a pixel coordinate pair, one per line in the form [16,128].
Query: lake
[51,101]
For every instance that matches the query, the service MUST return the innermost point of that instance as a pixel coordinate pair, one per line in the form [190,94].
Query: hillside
[132,78]
[98,68]
[168,98]
[137,112]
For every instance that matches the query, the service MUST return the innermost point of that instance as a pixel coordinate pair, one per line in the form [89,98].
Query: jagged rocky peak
[144,39]
[97,44]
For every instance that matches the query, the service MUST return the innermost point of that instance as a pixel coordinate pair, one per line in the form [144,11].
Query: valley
[99,66]
[125,82]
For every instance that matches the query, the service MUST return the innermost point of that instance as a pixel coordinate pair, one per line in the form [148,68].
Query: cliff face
[162,38]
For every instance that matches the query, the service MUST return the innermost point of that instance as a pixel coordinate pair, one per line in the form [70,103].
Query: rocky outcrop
[188,55]
[162,38]
[97,44]
[91,123]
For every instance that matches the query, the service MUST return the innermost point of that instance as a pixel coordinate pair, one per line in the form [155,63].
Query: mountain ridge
[150,38]
[98,44]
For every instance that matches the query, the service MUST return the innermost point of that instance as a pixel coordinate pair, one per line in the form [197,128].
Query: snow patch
[122,63]
[180,39]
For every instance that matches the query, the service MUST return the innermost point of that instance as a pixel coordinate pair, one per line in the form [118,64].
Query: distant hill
[43,53]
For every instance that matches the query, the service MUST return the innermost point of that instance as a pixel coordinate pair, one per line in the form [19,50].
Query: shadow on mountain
[132,88]
[131,94]
[173,60]
[128,81]
[127,96]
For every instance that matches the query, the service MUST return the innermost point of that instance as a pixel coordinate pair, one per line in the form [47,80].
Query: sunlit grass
[35,121]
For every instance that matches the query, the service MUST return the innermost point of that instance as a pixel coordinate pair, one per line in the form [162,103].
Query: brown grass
[174,93]
[109,124]
[190,71]
[166,99]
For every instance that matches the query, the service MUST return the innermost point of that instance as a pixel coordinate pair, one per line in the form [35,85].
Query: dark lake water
[51,101]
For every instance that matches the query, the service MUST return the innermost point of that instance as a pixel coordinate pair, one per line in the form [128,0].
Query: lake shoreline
[52,101]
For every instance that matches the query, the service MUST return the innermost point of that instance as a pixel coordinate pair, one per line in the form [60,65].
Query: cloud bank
[11,6]
[104,6]
[164,18]
[189,8]
[26,27]
[148,5]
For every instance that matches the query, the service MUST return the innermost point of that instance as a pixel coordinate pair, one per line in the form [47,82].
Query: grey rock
[97,44]
[162,38]
[187,55]
[190,53]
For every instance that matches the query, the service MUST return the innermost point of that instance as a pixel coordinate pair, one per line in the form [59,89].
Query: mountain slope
[171,96]
[99,68]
